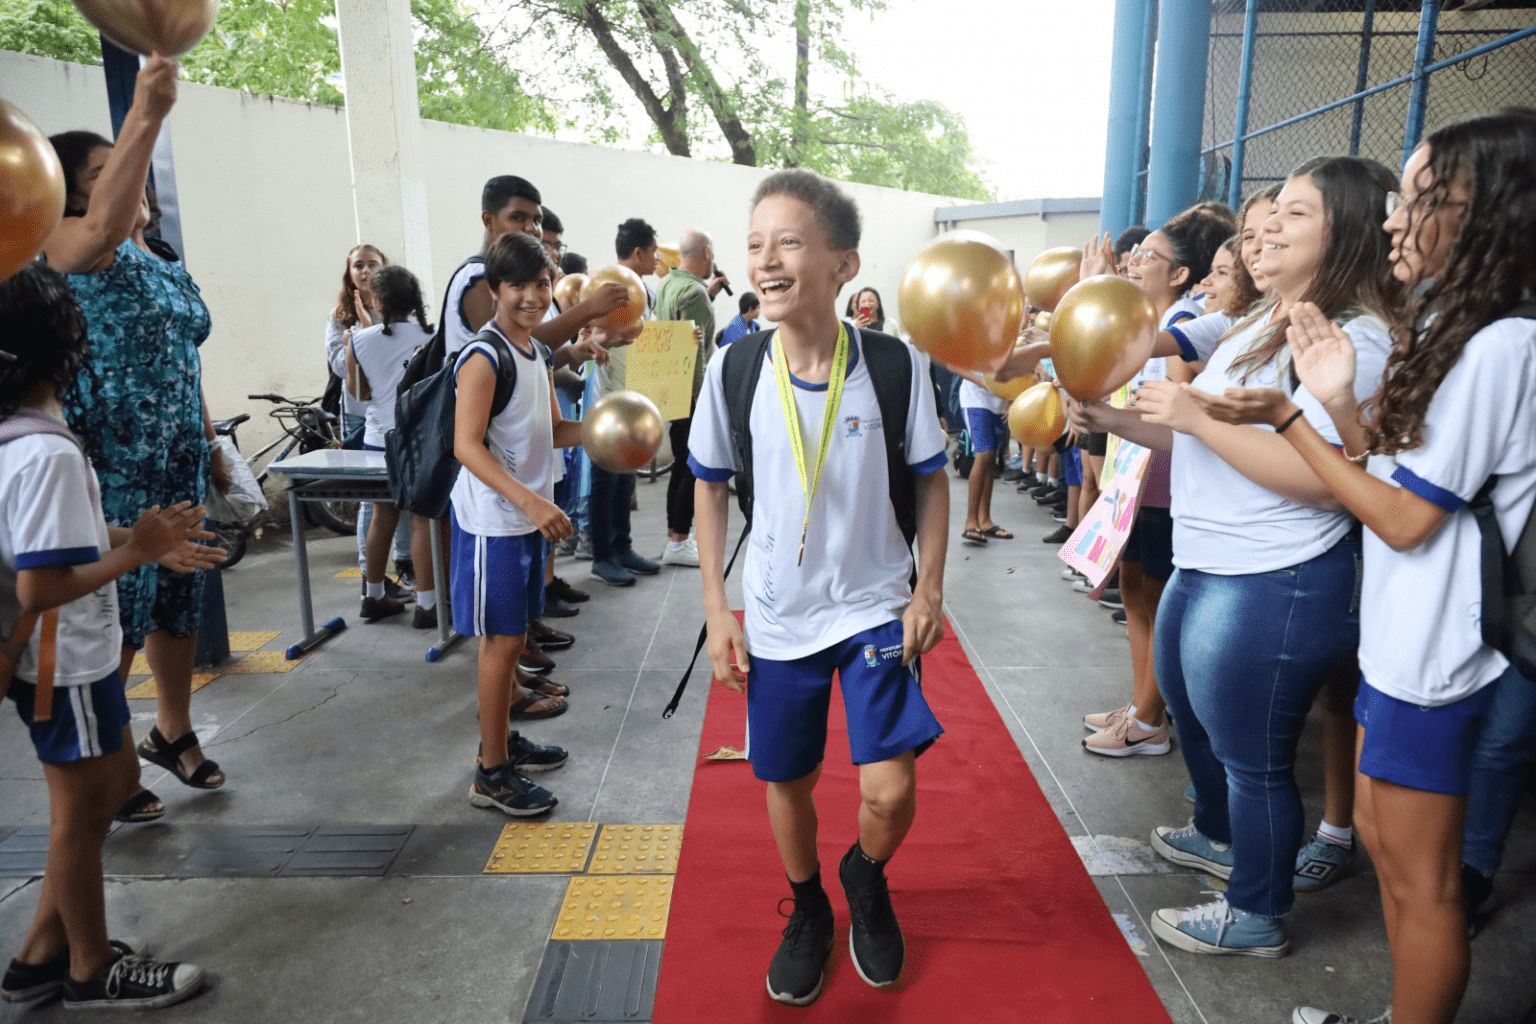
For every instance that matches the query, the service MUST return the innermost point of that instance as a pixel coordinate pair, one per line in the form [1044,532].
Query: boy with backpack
[835,430]
[60,644]
[507,426]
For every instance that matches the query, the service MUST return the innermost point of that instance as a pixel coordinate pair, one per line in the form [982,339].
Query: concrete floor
[364,732]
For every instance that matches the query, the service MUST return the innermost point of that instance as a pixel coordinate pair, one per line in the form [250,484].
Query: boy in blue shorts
[828,576]
[503,512]
[60,643]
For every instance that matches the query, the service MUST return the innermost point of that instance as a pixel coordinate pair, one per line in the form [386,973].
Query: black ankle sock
[862,867]
[809,894]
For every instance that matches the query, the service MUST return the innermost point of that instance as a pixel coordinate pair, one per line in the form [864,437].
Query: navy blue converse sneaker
[504,790]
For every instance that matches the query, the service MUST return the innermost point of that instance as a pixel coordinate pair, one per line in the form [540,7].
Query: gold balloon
[627,314]
[1050,275]
[669,258]
[961,300]
[568,290]
[622,432]
[31,190]
[1042,321]
[1036,418]
[1008,389]
[167,27]
[1101,336]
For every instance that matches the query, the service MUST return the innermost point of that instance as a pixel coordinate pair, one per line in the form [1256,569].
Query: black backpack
[419,450]
[428,359]
[890,371]
[1509,578]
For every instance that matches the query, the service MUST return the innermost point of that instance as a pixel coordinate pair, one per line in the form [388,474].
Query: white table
[336,475]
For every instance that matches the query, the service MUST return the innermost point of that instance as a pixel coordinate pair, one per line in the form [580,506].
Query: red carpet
[1001,921]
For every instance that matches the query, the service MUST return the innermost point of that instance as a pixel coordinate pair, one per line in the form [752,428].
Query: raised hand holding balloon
[167,27]
[962,301]
[31,190]
[630,312]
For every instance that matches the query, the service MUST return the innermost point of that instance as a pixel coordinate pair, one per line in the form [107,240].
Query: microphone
[725,287]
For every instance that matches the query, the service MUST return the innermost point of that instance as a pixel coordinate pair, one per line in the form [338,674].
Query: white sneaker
[681,553]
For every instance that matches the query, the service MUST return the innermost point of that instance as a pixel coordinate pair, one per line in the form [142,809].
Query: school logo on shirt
[871,656]
[859,426]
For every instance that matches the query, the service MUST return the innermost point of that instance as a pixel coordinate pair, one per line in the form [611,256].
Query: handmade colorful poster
[1094,548]
[1120,399]
[661,366]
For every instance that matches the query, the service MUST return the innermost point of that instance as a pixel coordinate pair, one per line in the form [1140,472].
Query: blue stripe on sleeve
[57,557]
[469,352]
[1432,493]
[931,465]
[709,474]
[1186,347]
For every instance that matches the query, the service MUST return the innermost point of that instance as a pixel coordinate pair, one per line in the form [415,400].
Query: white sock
[1053,481]
[375,589]
[1338,835]
[1144,727]
[426,600]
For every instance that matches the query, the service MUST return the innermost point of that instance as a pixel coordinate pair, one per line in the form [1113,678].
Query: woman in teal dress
[139,409]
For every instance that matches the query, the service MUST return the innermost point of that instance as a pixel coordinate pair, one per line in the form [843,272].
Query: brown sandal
[548,687]
[528,710]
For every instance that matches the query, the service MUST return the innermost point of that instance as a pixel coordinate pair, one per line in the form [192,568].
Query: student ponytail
[399,296]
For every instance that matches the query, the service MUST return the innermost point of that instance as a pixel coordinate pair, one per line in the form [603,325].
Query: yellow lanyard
[792,419]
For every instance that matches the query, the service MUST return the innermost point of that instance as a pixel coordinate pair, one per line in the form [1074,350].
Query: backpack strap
[1494,617]
[506,367]
[890,371]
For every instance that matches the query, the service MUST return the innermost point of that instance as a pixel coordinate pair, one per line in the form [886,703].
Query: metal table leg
[312,637]
[446,637]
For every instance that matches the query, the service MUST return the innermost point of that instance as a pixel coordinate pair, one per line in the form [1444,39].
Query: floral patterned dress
[138,406]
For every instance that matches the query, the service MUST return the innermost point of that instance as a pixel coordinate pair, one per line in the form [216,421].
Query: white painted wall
[1030,235]
[267,212]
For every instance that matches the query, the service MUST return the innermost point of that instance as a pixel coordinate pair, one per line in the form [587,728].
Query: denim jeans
[608,511]
[1501,763]
[1240,660]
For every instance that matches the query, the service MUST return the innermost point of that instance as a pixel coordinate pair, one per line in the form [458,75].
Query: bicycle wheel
[233,539]
[340,517]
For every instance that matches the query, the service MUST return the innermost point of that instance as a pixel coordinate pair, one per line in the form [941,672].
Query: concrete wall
[268,218]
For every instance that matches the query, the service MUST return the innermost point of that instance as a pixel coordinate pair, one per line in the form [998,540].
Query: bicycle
[306,428]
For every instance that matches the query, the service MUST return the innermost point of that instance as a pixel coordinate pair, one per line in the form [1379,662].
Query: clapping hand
[159,531]
[1098,257]
[1323,354]
[1170,405]
[1248,406]
[191,555]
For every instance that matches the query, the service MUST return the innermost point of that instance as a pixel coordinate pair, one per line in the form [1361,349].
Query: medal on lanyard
[808,483]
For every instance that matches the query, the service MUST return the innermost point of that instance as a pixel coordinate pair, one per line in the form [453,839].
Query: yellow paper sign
[661,366]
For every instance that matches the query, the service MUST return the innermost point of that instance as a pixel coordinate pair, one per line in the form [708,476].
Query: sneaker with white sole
[1218,929]
[1126,738]
[1320,863]
[505,790]
[1098,720]
[798,969]
[135,983]
[684,553]
[1186,847]
[29,983]
[1307,1015]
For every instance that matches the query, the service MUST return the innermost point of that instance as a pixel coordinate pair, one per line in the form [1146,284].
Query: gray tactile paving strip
[24,852]
[350,850]
[595,983]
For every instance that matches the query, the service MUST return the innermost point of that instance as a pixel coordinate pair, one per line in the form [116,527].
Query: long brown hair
[345,312]
[1244,292]
[1354,277]
[1488,271]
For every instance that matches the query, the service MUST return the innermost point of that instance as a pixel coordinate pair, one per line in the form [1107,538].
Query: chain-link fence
[1338,76]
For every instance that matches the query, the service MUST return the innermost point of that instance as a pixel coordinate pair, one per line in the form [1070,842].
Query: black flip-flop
[134,810]
[974,536]
[519,712]
[165,755]
[997,532]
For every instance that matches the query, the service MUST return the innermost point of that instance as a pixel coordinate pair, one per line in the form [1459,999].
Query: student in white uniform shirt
[1457,410]
[1262,609]
[60,644]
[985,423]
[376,358]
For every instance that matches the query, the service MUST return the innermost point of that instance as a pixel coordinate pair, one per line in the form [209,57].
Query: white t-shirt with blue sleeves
[1199,337]
[1421,610]
[857,568]
[1223,522]
[50,515]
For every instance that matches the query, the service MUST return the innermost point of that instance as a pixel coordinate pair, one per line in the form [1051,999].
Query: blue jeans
[1501,763]
[609,512]
[1240,660]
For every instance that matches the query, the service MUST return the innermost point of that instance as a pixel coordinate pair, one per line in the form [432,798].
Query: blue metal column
[1418,90]
[1144,111]
[1126,106]
[1178,103]
[1362,75]
[1240,119]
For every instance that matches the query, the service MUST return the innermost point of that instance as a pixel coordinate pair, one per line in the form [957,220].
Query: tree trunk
[670,120]
[801,116]
[743,147]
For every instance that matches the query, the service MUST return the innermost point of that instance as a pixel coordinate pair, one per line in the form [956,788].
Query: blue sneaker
[528,756]
[1320,863]
[612,573]
[1188,848]
[1218,929]
[1189,793]
[504,790]
[637,563]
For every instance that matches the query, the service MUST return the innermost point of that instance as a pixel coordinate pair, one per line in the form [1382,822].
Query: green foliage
[48,28]
[920,147]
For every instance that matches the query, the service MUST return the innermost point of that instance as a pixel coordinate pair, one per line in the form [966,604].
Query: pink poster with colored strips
[1094,548]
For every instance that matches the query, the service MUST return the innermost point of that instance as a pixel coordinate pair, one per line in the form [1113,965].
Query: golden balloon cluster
[627,314]
[962,300]
[622,432]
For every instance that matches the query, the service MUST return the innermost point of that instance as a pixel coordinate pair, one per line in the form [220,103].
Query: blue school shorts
[87,721]
[787,705]
[985,427]
[1428,748]
[496,583]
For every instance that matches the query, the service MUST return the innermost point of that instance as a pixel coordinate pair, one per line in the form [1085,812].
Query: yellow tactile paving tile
[146,690]
[544,848]
[262,661]
[251,641]
[614,907]
[637,850]
[354,573]
[140,666]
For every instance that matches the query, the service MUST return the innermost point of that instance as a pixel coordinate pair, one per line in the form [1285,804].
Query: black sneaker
[1111,599]
[635,562]
[1060,535]
[567,593]
[135,983]
[376,608]
[555,608]
[874,937]
[1476,889]
[28,983]
[424,618]
[1118,616]
[405,569]
[798,969]
[399,590]
[528,756]
[504,790]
